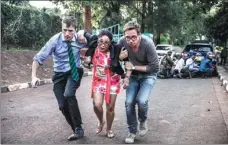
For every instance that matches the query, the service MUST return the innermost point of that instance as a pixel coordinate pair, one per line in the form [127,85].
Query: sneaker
[130,138]
[72,137]
[79,133]
[143,128]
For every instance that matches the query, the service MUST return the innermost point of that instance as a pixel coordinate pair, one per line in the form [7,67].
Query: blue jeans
[138,92]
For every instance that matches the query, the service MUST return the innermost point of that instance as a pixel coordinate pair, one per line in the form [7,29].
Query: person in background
[223,56]
[166,71]
[206,65]
[193,67]
[179,66]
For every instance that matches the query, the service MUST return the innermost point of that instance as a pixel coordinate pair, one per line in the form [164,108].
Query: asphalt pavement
[181,111]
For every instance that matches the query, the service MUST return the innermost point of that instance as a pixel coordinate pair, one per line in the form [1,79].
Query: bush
[27,27]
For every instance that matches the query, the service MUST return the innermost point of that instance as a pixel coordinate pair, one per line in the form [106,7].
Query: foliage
[26,27]
[16,2]
[182,20]
[217,25]
[104,13]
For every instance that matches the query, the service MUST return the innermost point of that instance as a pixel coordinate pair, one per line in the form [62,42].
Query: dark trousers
[223,60]
[65,88]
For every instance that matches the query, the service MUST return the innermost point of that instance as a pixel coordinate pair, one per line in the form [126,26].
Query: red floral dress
[104,80]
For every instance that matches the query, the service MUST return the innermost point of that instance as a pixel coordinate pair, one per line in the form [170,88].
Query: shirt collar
[63,39]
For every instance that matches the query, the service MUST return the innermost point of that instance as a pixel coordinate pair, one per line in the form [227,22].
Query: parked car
[200,50]
[162,50]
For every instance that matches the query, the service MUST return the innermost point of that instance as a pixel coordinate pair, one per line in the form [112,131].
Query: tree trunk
[143,17]
[142,24]
[226,43]
[152,15]
[158,37]
[171,36]
[87,19]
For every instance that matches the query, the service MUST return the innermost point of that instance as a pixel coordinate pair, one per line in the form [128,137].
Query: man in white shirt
[179,66]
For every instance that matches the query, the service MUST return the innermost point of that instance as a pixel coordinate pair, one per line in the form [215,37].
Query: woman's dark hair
[106,33]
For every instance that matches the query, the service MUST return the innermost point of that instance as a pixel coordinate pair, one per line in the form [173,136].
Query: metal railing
[115,29]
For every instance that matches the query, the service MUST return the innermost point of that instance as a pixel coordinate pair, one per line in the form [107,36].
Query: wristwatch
[133,68]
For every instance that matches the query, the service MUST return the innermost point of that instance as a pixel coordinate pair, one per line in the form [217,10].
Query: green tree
[17,2]
[217,25]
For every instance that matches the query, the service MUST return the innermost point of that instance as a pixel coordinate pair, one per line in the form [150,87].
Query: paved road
[178,113]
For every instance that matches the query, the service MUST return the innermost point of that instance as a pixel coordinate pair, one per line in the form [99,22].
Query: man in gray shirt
[142,67]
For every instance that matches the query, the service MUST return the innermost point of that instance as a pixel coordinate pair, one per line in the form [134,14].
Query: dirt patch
[16,67]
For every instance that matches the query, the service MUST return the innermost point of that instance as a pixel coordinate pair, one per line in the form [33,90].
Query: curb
[20,86]
[223,81]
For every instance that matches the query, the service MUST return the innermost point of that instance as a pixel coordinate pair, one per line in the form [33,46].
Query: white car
[162,50]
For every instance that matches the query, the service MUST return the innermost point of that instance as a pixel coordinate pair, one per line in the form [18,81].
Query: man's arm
[152,60]
[128,73]
[40,57]
[46,51]
[126,79]
[35,66]
[130,67]
[122,51]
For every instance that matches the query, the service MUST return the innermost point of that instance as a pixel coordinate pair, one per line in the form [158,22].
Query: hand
[35,82]
[123,54]
[87,59]
[125,82]
[128,65]
[81,38]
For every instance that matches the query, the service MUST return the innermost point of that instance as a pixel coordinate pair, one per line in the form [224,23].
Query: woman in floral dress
[105,82]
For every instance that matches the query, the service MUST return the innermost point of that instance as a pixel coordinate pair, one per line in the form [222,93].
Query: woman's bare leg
[98,109]
[110,113]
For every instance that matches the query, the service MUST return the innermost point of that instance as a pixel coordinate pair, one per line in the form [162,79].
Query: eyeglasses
[133,38]
[105,43]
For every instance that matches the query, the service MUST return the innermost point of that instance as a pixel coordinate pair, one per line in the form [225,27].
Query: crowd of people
[187,65]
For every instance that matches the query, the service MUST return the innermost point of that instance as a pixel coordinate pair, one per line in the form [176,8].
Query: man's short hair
[132,25]
[69,21]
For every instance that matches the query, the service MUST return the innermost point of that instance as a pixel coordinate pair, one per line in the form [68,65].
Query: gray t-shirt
[145,55]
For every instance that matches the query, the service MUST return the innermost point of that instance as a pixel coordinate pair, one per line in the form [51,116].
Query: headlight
[212,56]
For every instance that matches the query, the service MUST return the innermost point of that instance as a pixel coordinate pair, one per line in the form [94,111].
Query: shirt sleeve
[188,62]
[92,45]
[45,52]
[152,58]
[120,45]
[81,45]
[209,63]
